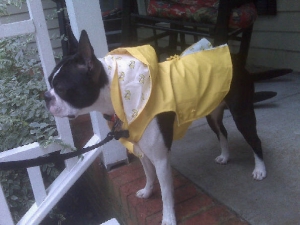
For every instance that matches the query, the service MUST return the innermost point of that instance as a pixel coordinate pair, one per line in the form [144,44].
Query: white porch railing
[82,16]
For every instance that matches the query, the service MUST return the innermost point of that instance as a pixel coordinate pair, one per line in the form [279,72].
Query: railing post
[48,63]
[37,184]
[113,152]
[46,200]
[5,217]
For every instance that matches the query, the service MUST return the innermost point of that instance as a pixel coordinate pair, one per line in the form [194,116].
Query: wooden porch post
[87,15]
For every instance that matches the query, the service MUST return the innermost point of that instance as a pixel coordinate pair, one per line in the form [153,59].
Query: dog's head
[75,81]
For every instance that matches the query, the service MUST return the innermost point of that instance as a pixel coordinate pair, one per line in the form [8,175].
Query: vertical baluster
[5,217]
[37,184]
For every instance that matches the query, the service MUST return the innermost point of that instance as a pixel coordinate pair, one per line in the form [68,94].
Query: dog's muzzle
[48,97]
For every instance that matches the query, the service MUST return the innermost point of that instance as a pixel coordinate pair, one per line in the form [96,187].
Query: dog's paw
[259,174]
[221,159]
[169,217]
[144,193]
[171,221]
[259,171]
[168,223]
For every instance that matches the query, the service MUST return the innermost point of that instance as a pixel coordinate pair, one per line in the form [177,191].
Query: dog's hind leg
[245,121]
[247,126]
[240,103]
[215,121]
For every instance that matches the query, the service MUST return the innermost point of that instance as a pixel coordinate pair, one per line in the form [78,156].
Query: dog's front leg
[150,177]
[215,121]
[156,153]
[164,174]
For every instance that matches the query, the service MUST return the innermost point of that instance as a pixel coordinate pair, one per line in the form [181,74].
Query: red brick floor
[114,194]
[192,206]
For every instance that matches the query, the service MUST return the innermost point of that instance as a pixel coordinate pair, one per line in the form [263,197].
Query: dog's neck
[103,104]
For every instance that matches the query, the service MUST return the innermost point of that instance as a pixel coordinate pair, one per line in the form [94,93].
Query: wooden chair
[121,26]
[162,26]
[222,31]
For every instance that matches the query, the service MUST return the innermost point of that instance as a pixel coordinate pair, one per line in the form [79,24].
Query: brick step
[114,194]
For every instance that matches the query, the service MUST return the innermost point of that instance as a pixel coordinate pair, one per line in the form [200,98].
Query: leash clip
[116,130]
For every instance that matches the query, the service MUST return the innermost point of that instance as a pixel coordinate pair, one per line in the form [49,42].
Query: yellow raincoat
[191,86]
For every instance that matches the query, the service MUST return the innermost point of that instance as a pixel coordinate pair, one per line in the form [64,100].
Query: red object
[202,11]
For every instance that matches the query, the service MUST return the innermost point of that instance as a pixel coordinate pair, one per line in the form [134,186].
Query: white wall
[276,39]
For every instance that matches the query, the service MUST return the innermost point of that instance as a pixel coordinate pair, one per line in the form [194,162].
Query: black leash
[62,157]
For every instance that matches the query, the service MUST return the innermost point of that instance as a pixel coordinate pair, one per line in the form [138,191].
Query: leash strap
[62,157]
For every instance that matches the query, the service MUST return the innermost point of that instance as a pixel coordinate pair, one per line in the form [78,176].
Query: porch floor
[112,193]
[207,193]
[117,190]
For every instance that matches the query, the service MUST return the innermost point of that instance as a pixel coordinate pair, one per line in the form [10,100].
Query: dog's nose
[47,96]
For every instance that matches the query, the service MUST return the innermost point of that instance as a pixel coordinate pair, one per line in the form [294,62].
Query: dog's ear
[85,49]
[86,53]
[72,41]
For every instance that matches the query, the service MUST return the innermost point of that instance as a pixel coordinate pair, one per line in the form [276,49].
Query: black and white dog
[80,85]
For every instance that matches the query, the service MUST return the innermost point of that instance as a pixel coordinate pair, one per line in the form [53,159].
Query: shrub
[23,118]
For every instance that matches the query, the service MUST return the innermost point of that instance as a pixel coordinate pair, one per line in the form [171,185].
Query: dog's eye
[60,90]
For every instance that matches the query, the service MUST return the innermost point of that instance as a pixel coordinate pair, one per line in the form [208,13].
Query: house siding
[276,39]
[17,14]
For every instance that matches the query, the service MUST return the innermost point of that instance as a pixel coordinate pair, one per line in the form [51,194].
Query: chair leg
[195,36]
[126,25]
[182,42]
[245,45]
[155,41]
[131,35]
[172,40]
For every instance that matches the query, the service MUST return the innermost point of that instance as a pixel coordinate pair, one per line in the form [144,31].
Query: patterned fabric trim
[134,82]
[202,11]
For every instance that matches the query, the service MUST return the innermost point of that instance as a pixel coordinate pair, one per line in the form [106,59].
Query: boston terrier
[80,84]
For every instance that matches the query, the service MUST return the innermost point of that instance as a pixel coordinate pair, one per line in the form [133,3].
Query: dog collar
[110,118]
